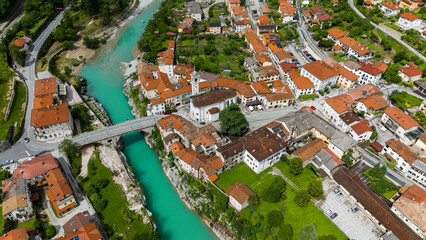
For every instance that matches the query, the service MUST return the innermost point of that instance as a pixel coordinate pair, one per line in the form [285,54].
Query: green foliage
[106,8]
[403,100]
[5,7]
[81,112]
[4,174]
[128,215]
[308,97]
[101,183]
[347,160]
[421,118]
[380,186]
[233,121]
[378,172]
[50,231]
[65,30]
[361,113]
[94,197]
[327,237]
[92,43]
[374,135]
[296,166]
[18,55]
[302,198]
[315,188]
[100,204]
[158,141]
[308,232]
[285,232]
[327,43]
[69,148]
[275,190]
[275,218]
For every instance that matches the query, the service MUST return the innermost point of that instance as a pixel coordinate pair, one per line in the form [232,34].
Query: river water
[105,82]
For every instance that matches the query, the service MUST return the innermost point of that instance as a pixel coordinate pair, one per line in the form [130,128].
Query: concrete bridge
[115,130]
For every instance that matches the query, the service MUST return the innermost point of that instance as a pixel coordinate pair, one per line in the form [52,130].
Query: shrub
[315,188]
[302,198]
[275,218]
[285,232]
[100,204]
[296,166]
[308,232]
[275,190]
[50,231]
[101,183]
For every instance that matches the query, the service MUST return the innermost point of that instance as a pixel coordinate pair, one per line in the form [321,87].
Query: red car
[168,112]
[314,108]
[305,52]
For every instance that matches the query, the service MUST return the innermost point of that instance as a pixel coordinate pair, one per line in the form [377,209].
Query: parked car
[305,52]
[313,108]
[202,123]
[355,209]
[168,112]
[7,162]
[334,215]
[340,194]
[329,211]
[27,140]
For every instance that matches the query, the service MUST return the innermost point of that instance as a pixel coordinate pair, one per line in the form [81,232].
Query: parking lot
[355,225]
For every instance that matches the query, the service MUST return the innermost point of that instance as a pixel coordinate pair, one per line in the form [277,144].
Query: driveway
[354,225]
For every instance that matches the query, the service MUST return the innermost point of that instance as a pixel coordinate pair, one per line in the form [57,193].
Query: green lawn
[16,113]
[27,224]
[301,180]
[1,223]
[293,214]
[393,26]
[404,100]
[111,215]
[388,194]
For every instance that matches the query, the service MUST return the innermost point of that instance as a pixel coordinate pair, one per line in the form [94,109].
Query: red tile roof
[45,86]
[340,103]
[402,150]
[361,128]
[309,150]
[240,192]
[412,204]
[35,167]
[299,81]
[411,71]
[390,5]
[288,66]
[49,115]
[57,184]
[320,70]
[257,44]
[409,16]
[400,117]
[376,102]
[368,68]
[15,234]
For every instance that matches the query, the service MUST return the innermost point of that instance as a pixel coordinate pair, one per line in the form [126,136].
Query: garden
[403,100]
[381,184]
[214,53]
[295,212]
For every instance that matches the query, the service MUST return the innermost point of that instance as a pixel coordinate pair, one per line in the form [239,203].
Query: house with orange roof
[182,70]
[389,9]
[397,152]
[285,67]
[267,73]
[207,142]
[279,55]
[346,78]
[239,13]
[156,106]
[299,85]
[360,52]
[255,44]
[368,74]
[60,194]
[335,34]
[239,193]
[52,123]
[410,207]
[16,205]
[165,65]
[16,234]
[320,74]
[287,12]
[371,104]
[360,131]
[401,125]
[22,42]
[33,171]
[264,8]
[411,5]
[282,97]
[335,106]
[81,226]
[409,20]
[410,74]
[241,25]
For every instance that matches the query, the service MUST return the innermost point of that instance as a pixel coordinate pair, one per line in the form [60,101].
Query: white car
[329,211]
[7,162]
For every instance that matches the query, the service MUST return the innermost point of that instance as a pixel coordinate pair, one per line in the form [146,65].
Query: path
[86,154]
[276,171]
[411,49]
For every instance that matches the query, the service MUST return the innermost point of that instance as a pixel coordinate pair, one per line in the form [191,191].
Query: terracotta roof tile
[361,127]
[403,119]
[288,66]
[49,115]
[209,98]
[240,192]
[283,93]
[309,150]
[35,167]
[376,102]
[15,234]
[402,150]
[348,41]
[368,68]
[411,71]
[299,81]
[390,5]
[320,70]
[257,44]
[409,16]
[340,103]
[43,101]
[412,204]
[45,86]
[260,87]
[57,184]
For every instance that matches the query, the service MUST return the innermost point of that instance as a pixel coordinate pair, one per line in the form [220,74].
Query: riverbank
[175,175]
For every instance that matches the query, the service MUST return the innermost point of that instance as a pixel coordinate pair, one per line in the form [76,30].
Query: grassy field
[404,100]
[217,10]
[301,180]
[297,216]
[16,112]
[111,215]
[28,224]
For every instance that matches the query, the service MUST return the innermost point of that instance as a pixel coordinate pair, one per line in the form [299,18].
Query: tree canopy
[233,121]
[296,166]
[275,190]
[315,188]
[378,171]
[308,232]
[275,218]
[302,198]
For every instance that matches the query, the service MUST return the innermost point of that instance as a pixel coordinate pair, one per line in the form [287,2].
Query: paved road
[411,49]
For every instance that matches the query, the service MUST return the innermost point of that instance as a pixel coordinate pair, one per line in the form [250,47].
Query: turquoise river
[105,82]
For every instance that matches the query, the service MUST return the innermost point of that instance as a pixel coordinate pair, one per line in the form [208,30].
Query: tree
[315,188]
[327,43]
[233,121]
[378,171]
[302,198]
[296,166]
[308,232]
[275,190]
[285,232]
[380,186]
[327,237]
[4,174]
[253,200]
[100,204]
[101,183]
[347,160]
[275,218]
[50,231]
[69,148]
